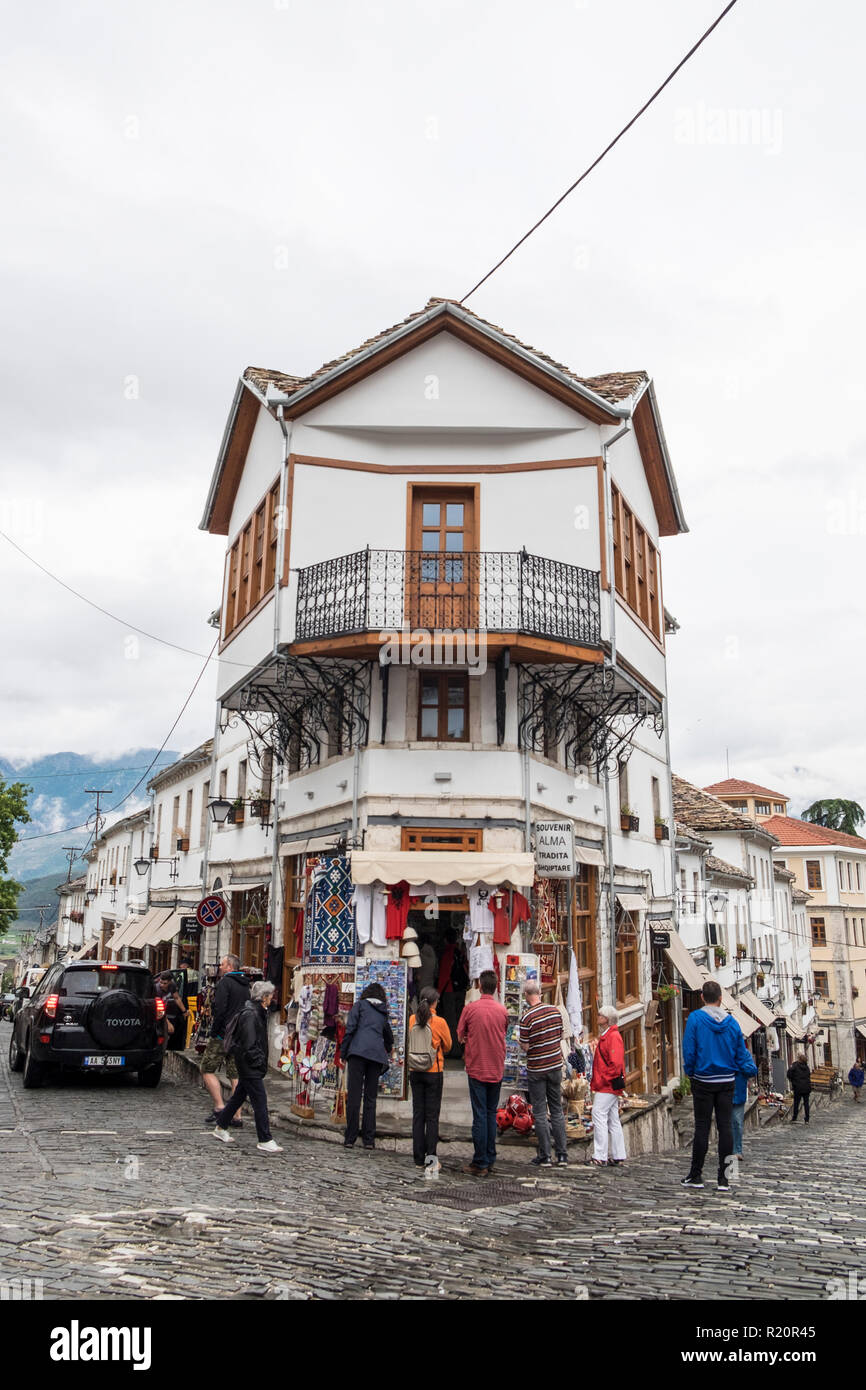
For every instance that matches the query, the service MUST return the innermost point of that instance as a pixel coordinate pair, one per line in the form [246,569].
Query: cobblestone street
[110,1191]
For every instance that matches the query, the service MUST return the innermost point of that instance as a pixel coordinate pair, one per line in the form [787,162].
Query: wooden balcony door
[441,566]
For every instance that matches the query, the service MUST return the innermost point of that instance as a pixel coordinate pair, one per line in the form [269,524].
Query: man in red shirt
[482,1030]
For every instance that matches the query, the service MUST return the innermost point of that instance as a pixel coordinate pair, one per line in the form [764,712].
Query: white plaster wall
[261,470]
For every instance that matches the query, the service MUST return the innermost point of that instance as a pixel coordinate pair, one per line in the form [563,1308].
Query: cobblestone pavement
[111,1191]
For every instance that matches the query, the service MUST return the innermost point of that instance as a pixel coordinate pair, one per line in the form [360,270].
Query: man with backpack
[246,1039]
[429,1041]
[230,995]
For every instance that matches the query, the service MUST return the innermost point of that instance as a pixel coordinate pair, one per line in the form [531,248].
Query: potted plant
[682,1089]
[720,954]
[741,951]
[661,828]
[627,820]
[236,814]
[154,851]
[259,806]
[665,992]
[182,843]
[759,980]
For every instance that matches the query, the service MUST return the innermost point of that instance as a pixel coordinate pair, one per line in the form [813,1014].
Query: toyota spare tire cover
[116,1019]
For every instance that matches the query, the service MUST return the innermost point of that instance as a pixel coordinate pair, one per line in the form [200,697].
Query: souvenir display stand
[518,969]
[392,976]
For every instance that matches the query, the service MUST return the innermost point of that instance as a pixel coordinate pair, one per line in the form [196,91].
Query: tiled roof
[790,831]
[779,872]
[721,866]
[734,787]
[689,834]
[614,387]
[704,812]
[799,896]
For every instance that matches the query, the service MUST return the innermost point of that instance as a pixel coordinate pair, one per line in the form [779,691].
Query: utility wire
[47,776]
[595,163]
[47,834]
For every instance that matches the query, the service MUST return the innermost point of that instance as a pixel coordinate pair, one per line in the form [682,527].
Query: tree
[836,814]
[13,809]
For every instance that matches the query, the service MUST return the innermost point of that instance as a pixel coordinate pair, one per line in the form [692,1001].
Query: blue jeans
[484,1096]
[737,1114]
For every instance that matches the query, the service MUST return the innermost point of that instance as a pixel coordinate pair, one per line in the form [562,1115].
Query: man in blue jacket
[714,1051]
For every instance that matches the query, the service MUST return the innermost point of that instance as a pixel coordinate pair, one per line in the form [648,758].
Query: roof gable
[733,786]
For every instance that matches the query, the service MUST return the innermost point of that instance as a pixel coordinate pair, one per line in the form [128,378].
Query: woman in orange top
[426,1083]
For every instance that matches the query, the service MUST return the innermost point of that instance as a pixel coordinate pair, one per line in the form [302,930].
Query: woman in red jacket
[607,1084]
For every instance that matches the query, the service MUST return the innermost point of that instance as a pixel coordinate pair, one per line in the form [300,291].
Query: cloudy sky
[194,187]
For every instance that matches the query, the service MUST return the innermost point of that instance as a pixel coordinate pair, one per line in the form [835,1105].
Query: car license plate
[104,1061]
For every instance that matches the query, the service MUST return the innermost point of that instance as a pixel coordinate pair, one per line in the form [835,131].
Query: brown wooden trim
[290,500]
[647,631]
[236,455]
[602,523]
[455,470]
[462,841]
[246,619]
[366,645]
[475,338]
[650,448]
[247,519]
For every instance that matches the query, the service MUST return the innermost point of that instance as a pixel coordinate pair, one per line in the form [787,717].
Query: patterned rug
[329,921]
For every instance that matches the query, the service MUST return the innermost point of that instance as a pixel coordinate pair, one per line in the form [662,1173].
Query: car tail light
[49,1008]
[160,1008]
[108,967]
[45,1037]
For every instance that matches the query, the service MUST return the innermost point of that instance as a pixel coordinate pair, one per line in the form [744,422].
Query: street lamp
[766,965]
[797,982]
[89,896]
[142,865]
[219,809]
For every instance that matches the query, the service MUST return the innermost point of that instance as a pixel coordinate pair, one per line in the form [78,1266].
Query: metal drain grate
[481,1192]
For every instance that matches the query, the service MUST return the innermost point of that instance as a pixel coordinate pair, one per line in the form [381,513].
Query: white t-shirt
[369,904]
[480,915]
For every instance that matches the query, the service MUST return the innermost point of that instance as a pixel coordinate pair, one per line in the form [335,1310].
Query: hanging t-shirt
[397,910]
[480,958]
[370,915]
[479,912]
[503,925]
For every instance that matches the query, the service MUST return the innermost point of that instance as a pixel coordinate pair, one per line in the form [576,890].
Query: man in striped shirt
[541,1039]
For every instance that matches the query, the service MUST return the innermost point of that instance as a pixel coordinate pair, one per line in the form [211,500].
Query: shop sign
[661,939]
[554,849]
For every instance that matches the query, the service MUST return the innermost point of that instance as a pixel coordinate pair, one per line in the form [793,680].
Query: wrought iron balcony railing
[484,591]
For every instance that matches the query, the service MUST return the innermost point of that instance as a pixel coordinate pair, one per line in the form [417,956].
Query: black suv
[93,1016]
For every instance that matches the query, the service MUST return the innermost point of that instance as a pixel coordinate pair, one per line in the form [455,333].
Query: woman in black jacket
[367,1049]
[801,1084]
[247,1041]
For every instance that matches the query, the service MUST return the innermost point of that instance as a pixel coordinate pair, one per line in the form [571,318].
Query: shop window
[583,941]
[443,714]
[633,1068]
[819,931]
[293,899]
[627,959]
[249,917]
[441,839]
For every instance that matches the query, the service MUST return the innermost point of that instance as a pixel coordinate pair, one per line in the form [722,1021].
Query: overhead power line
[47,834]
[607,149]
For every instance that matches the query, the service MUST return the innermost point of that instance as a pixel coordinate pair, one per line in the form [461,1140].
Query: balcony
[489,592]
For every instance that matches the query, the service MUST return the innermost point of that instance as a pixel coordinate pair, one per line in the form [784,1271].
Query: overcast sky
[194,187]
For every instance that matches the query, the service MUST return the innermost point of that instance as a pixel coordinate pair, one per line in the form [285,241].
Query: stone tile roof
[689,834]
[779,872]
[714,865]
[702,811]
[732,786]
[790,831]
[614,387]
[799,896]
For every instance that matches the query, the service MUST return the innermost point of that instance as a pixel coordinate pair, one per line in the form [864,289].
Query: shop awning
[169,927]
[428,866]
[631,902]
[584,855]
[861,1029]
[124,933]
[682,960]
[147,925]
[794,1028]
[756,1007]
[82,950]
[313,844]
[748,1024]
[243,886]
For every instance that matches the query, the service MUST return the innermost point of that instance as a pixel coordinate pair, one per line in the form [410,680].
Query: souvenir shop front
[415,917]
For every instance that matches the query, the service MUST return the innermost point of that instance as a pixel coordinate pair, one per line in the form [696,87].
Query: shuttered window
[252,562]
[635,564]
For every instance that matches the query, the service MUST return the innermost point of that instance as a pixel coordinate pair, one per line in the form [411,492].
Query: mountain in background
[38,892]
[58,802]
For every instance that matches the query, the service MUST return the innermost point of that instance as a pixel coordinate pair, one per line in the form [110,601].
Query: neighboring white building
[112,891]
[421,646]
[70,917]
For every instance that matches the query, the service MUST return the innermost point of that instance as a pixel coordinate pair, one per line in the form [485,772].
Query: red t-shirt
[396,910]
[503,927]
[482,1028]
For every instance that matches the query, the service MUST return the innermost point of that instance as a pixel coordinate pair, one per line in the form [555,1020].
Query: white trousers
[606,1126]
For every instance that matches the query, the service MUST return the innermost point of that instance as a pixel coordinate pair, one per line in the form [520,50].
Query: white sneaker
[223,1134]
[271,1147]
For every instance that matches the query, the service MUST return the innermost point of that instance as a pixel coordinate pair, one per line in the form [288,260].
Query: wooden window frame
[627,960]
[440,838]
[810,865]
[633,1050]
[635,565]
[822,982]
[442,706]
[251,562]
[819,936]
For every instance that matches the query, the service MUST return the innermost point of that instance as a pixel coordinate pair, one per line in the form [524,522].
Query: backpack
[231,1033]
[420,1052]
